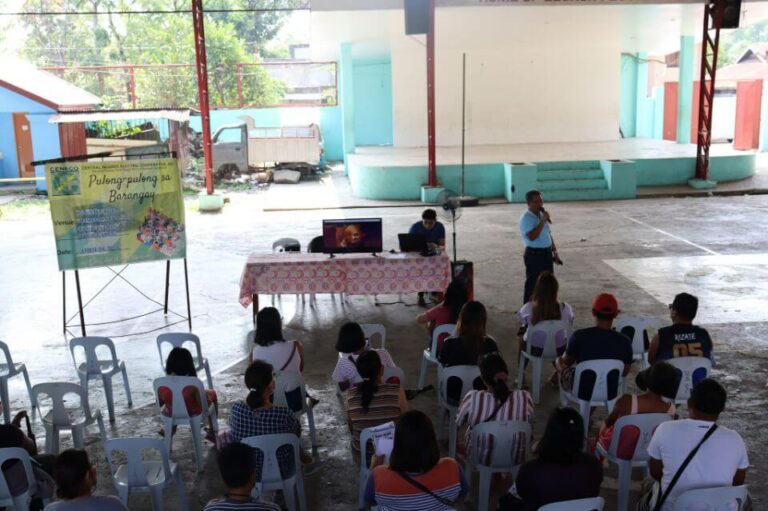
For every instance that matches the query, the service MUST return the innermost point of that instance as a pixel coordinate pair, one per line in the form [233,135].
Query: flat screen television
[352,235]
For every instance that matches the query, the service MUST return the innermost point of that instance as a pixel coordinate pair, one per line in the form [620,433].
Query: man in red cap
[597,342]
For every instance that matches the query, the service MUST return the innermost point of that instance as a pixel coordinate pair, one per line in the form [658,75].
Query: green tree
[733,43]
[258,27]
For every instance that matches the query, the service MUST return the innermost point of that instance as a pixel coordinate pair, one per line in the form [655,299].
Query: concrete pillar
[628,105]
[347,101]
[685,82]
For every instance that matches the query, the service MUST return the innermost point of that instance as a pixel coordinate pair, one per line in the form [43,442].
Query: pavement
[644,251]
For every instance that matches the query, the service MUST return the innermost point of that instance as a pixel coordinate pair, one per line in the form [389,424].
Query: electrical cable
[159,11]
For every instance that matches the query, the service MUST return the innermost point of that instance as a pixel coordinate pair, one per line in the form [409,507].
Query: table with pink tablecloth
[354,274]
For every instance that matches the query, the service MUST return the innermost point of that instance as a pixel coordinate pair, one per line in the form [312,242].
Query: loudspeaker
[416,16]
[464,272]
[731,13]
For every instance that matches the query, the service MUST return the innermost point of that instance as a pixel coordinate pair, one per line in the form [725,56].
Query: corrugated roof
[43,87]
[172,114]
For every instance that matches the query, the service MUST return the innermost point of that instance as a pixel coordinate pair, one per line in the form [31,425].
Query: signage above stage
[378,5]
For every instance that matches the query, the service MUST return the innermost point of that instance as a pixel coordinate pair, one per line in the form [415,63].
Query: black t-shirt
[540,483]
[598,343]
[453,352]
[683,341]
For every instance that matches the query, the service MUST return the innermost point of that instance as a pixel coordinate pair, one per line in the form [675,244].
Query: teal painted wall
[658,113]
[628,101]
[685,90]
[328,117]
[347,100]
[373,102]
[8,167]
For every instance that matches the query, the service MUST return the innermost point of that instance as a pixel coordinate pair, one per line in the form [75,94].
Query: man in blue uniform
[540,251]
[433,231]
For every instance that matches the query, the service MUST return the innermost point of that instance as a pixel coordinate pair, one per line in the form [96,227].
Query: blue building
[28,98]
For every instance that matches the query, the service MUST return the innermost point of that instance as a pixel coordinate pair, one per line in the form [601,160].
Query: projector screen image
[352,235]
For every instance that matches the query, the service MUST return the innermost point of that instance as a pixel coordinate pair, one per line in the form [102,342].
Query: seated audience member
[470,341]
[351,342]
[720,461]
[416,477]
[561,471]
[370,402]
[270,345]
[497,403]
[662,383]
[75,481]
[445,313]
[544,306]
[13,471]
[258,416]
[181,363]
[681,339]
[597,342]
[236,465]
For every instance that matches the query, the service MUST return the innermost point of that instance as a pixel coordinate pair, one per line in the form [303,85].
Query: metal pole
[186,286]
[80,302]
[713,20]
[432,168]
[463,112]
[202,88]
[64,301]
[167,284]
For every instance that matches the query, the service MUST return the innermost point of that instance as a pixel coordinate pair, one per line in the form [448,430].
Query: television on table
[352,235]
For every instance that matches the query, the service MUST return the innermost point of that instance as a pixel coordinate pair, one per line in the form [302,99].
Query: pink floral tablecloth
[355,274]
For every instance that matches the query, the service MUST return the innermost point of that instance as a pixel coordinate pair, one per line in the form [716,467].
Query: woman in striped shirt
[416,477]
[497,403]
[371,402]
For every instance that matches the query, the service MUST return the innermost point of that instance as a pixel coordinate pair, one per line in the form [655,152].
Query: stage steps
[571,180]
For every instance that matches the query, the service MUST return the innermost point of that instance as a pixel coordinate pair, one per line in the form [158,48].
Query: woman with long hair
[562,471]
[416,477]
[271,346]
[447,312]
[256,415]
[351,343]
[371,402]
[496,403]
[470,341]
[544,305]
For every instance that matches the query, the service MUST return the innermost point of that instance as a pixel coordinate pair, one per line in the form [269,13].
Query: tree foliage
[163,40]
[733,43]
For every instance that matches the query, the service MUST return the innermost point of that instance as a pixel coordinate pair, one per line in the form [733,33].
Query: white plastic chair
[372,329]
[593,504]
[271,479]
[103,369]
[8,370]
[555,333]
[138,475]
[430,355]
[505,435]
[637,328]
[467,375]
[287,381]
[689,367]
[646,423]
[715,499]
[600,394]
[60,417]
[393,372]
[19,502]
[366,436]
[180,415]
[177,340]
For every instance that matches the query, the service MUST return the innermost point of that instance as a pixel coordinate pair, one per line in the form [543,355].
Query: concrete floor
[644,251]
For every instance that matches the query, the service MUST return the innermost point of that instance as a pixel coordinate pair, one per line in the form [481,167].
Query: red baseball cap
[605,303]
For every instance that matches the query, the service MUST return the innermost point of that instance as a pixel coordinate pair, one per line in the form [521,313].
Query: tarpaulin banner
[116,212]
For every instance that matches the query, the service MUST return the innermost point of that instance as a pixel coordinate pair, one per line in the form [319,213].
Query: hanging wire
[304,7]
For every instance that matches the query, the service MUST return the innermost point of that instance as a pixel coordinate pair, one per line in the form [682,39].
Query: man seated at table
[433,232]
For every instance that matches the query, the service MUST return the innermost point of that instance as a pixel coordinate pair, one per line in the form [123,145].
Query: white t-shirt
[714,464]
[346,371]
[278,354]
[526,313]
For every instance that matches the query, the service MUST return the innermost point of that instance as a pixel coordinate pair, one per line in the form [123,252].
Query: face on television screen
[352,235]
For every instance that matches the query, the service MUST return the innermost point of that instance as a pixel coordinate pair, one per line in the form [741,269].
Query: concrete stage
[568,171]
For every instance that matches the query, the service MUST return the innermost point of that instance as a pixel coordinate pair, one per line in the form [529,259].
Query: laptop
[412,242]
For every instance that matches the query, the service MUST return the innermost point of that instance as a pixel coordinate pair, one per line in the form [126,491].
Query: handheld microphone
[544,211]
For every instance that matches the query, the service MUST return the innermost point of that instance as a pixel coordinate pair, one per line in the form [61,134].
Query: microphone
[544,211]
